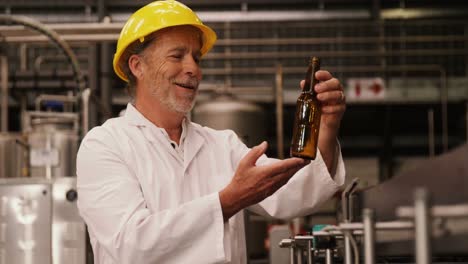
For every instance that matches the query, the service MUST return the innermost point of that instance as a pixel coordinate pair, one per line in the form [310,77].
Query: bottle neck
[310,83]
[310,80]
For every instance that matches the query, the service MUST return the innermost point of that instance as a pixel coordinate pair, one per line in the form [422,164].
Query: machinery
[52,141]
[416,54]
[46,147]
[39,222]
[12,155]
[419,216]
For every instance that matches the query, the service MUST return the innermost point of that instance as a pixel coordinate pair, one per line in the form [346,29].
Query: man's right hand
[251,184]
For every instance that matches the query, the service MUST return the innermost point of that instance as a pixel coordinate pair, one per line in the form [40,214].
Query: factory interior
[403,65]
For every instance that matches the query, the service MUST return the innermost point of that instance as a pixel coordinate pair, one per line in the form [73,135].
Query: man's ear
[135,64]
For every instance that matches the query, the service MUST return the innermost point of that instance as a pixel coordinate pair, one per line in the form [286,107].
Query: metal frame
[415,219]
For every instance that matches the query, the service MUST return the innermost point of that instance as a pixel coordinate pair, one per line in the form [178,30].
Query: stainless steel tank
[53,142]
[39,222]
[47,146]
[12,156]
[247,119]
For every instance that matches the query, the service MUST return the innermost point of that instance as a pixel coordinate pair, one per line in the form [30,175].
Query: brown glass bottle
[307,118]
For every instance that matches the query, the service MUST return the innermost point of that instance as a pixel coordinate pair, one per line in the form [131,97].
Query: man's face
[171,68]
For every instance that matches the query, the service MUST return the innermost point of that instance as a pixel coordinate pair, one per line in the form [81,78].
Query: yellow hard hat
[153,17]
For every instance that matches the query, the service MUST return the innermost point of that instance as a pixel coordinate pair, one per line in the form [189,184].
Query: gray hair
[135,48]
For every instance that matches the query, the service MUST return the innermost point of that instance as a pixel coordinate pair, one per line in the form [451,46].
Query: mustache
[188,83]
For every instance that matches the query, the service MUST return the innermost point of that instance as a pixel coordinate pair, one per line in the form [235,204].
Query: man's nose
[191,66]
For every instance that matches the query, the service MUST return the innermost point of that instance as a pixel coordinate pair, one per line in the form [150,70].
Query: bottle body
[306,127]
[307,117]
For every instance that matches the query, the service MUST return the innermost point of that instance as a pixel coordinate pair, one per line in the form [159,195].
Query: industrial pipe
[39,60]
[292,255]
[112,37]
[85,118]
[54,38]
[333,54]
[92,28]
[369,236]
[345,204]
[61,98]
[310,256]
[354,69]
[422,224]
[299,255]
[329,256]
[4,93]
[431,133]
[444,106]
[57,116]
[279,111]
[66,49]
[466,119]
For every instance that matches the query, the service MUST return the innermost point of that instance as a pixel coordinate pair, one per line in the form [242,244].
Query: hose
[56,40]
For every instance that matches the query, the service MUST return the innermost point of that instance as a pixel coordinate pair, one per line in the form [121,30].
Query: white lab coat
[144,203]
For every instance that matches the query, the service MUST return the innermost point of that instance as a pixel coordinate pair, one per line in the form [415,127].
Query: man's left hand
[330,93]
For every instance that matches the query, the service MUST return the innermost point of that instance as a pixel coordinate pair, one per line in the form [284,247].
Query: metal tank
[12,156]
[247,119]
[53,143]
[39,222]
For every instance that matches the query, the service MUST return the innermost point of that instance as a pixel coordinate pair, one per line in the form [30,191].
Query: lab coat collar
[193,139]
[135,118]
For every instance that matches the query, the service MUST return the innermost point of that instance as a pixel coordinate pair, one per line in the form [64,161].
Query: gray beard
[172,104]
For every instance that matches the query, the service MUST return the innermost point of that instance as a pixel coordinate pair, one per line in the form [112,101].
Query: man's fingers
[331,85]
[285,176]
[334,109]
[283,166]
[281,179]
[323,75]
[335,96]
[256,152]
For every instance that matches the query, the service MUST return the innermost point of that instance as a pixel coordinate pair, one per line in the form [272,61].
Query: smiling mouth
[186,86]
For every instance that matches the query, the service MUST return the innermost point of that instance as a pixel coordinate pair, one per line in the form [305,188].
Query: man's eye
[176,56]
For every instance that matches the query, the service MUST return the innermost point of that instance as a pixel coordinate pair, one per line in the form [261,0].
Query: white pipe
[369,236]
[85,114]
[422,224]
[329,256]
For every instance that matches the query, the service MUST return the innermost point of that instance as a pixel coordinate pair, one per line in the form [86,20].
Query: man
[155,188]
